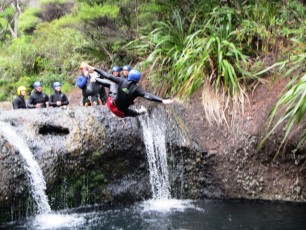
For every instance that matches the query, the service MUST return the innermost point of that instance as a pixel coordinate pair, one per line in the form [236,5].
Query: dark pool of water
[173,214]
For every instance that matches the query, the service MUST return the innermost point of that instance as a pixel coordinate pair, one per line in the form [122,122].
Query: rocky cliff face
[89,156]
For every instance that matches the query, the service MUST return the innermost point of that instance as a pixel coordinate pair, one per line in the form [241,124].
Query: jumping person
[58,98]
[19,102]
[38,99]
[128,91]
[93,93]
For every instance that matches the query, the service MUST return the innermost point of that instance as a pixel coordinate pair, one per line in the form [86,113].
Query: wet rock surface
[89,156]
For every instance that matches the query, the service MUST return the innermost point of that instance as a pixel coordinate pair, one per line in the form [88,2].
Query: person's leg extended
[134,113]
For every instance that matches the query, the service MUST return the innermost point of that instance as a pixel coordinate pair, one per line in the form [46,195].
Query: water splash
[58,221]
[34,173]
[154,139]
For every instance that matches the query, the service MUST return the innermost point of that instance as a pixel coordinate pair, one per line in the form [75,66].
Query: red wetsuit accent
[112,107]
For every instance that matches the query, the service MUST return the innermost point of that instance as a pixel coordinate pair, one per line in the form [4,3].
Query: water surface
[173,214]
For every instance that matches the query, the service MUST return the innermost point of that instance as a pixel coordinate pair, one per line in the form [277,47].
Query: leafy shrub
[103,34]
[57,47]
[28,21]
[88,12]
[18,59]
[292,104]
[54,9]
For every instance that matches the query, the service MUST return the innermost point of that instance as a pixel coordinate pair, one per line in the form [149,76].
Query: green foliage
[57,47]
[186,58]
[18,58]
[51,10]
[99,25]
[88,12]
[28,21]
[292,104]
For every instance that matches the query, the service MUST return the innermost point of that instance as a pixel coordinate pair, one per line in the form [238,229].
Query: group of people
[38,99]
[119,96]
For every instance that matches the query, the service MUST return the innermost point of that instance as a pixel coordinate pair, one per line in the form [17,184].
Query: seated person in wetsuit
[127,92]
[116,71]
[38,99]
[93,93]
[125,70]
[58,98]
[19,102]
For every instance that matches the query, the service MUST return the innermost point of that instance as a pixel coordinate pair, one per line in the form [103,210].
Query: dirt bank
[239,168]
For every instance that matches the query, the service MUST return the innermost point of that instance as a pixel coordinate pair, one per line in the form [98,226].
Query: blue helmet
[126,67]
[116,69]
[56,84]
[134,75]
[36,84]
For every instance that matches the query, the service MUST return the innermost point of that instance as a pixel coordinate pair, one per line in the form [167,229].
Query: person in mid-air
[38,99]
[58,98]
[19,102]
[127,92]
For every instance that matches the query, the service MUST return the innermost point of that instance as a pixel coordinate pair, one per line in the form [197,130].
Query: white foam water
[54,221]
[34,173]
[167,205]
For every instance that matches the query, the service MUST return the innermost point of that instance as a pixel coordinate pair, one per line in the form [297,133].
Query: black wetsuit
[92,92]
[19,103]
[58,96]
[113,87]
[38,98]
[127,92]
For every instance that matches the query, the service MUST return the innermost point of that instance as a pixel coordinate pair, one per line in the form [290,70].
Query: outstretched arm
[152,97]
[105,74]
[104,82]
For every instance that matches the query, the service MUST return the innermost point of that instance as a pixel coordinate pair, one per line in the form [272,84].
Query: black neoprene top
[19,103]
[127,91]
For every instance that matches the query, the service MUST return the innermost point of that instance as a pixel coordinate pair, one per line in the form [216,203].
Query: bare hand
[90,68]
[167,101]
[58,103]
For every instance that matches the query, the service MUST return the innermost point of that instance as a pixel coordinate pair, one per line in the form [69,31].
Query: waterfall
[34,173]
[154,139]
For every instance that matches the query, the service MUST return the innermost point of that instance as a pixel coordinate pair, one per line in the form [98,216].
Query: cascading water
[34,173]
[154,130]
[154,139]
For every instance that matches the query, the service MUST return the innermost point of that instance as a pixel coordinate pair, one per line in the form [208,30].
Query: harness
[112,107]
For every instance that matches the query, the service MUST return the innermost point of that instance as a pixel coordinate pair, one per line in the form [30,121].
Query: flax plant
[292,104]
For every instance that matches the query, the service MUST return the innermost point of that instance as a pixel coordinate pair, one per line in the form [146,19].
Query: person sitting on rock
[93,93]
[58,98]
[128,91]
[19,102]
[38,99]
